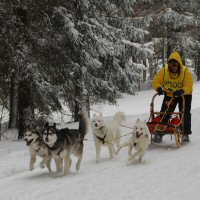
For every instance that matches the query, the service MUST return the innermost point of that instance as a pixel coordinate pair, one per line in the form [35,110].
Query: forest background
[79,53]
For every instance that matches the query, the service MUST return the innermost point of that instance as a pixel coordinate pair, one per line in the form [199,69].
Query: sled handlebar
[156,94]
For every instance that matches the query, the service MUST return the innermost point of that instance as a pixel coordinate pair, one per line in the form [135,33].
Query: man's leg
[187,115]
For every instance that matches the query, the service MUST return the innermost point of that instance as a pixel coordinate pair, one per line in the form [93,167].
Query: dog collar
[101,128]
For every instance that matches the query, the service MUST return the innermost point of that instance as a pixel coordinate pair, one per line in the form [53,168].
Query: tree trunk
[13,116]
[26,111]
[80,96]
[151,69]
[88,105]
[164,52]
[76,111]
[169,49]
[144,71]
[198,69]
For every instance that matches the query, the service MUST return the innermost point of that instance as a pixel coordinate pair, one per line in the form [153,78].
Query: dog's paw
[130,158]
[42,165]
[140,159]
[77,167]
[59,170]
[31,168]
[97,161]
[117,151]
[50,171]
[111,156]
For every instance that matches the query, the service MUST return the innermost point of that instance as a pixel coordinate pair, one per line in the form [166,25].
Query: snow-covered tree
[104,48]
[18,44]
[173,26]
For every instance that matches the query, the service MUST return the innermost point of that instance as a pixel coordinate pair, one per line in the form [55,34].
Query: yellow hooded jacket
[171,82]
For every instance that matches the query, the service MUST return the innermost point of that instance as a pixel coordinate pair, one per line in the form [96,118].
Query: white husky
[106,133]
[139,141]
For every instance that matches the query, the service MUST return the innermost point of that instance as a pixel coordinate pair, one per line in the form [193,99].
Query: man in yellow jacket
[175,80]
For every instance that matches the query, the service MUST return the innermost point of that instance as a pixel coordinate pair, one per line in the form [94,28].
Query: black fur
[67,137]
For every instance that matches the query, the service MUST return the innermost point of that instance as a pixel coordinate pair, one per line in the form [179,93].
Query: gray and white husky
[36,145]
[65,142]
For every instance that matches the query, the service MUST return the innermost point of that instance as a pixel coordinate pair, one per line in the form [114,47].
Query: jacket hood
[176,56]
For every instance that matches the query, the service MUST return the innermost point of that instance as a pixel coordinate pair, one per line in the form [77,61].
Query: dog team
[59,144]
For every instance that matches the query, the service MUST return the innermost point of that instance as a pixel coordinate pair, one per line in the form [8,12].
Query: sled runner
[167,122]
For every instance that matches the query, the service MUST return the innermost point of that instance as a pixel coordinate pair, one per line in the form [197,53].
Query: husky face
[140,130]
[31,136]
[97,122]
[50,136]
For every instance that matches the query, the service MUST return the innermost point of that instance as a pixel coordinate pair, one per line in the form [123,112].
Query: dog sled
[167,123]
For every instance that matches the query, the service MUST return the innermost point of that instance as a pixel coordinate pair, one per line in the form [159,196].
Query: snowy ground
[166,173]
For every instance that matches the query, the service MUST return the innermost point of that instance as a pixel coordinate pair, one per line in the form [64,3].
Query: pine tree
[104,48]
[24,66]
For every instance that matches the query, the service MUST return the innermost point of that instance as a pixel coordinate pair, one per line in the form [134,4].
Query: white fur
[139,141]
[109,132]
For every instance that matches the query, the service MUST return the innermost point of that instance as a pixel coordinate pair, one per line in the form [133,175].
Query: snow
[166,172]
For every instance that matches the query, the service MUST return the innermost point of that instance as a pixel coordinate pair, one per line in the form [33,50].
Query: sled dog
[139,141]
[36,145]
[64,142]
[106,133]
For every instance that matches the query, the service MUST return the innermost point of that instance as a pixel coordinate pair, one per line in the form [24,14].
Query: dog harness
[101,139]
[39,144]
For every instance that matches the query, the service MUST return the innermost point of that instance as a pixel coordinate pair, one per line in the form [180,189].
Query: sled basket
[158,123]
[165,127]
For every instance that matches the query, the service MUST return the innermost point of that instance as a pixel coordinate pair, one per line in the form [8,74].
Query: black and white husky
[65,142]
[36,145]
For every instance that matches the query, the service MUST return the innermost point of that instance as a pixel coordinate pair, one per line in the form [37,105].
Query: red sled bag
[157,119]
[175,121]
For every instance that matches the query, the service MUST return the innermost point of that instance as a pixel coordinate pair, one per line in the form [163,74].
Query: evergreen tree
[104,48]
[23,67]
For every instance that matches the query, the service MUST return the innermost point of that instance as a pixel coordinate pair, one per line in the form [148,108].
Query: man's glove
[160,91]
[178,93]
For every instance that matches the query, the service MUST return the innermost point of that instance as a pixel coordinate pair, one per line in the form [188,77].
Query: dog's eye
[98,120]
[136,128]
[141,129]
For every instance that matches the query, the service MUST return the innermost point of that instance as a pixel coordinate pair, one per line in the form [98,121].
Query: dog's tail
[119,117]
[83,123]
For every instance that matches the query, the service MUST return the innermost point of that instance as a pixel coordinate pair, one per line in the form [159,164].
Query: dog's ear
[54,125]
